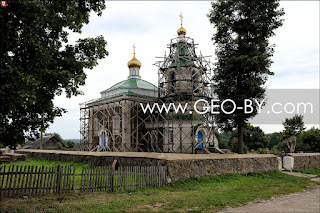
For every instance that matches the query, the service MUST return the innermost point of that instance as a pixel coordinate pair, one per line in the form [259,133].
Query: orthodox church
[116,122]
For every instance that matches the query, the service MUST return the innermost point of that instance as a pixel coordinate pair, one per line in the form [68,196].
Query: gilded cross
[134,49]
[181,18]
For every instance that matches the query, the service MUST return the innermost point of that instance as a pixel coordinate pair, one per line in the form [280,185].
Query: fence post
[113,171]
[2,180]
[59,177]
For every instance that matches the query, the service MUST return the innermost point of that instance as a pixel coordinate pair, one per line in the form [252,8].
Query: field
[193,195]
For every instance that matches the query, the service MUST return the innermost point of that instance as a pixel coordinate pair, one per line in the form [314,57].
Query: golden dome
[134,62]
[181,31]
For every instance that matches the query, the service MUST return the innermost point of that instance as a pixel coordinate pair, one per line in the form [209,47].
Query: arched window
[172,82]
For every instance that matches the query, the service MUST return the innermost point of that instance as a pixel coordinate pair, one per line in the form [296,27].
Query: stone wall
[180,166]
[306,160]
[183,169]
[94,158]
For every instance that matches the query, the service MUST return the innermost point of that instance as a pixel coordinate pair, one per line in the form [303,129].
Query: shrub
[59,145]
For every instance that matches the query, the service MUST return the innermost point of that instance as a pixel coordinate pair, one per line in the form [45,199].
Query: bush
[275,151]
[70,144]
[260,151]
[59,145]
[234,146]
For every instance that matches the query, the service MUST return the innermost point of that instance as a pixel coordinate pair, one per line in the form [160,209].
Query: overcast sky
[151,25]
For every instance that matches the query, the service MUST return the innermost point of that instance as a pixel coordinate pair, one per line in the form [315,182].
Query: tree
[254,138]
[70,144]
[293,126]
[274,139]
[36,63]
[224,138]
[309,140]
[243,56]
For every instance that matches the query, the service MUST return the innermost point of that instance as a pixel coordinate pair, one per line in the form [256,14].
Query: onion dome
[134,62]
[181,31]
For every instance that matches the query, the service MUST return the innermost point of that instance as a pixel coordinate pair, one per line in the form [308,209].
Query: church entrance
[200,139]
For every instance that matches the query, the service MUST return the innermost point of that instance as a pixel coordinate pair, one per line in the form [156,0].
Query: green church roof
[132,83]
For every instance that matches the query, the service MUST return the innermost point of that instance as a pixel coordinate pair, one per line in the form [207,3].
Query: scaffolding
[116,125]
[119,124]
[183,78]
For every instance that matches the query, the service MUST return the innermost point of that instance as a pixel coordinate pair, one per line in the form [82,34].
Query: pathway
[305,201]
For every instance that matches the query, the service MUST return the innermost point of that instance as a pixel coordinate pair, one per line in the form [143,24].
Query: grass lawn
[37,162]
[192,195]
[309,171]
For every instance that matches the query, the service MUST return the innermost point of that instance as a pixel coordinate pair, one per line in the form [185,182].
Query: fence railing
[27,180]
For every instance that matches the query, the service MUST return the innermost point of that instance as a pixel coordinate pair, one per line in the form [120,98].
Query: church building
[115,122]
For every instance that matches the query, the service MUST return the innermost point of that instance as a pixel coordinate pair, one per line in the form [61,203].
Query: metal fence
[32,180]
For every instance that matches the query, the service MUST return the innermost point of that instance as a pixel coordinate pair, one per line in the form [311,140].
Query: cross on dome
[134,49]
[181,17]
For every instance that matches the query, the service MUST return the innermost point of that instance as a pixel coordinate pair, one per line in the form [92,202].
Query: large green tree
[37,63]
[243,56]
[293,126]
[309,140]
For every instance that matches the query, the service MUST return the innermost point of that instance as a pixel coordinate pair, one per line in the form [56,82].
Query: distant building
[48,141]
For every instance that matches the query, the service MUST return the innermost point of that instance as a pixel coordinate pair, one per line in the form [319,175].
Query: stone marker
[288,163]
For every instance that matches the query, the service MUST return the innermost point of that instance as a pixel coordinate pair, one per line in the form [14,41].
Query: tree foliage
[69,144]
[223,138]
[254,138]
[309,140]
[293,126]
[274,139]
[37,63]
[243,55]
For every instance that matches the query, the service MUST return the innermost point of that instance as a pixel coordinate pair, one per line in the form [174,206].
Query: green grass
[37,162]
[192,195]
[309,171]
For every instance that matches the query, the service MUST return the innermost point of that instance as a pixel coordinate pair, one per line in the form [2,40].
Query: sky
[151,26]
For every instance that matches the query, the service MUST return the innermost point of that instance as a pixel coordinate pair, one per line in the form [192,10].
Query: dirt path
[306,201]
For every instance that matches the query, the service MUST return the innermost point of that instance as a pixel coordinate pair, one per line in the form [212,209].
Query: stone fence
[179,166]
[306,160]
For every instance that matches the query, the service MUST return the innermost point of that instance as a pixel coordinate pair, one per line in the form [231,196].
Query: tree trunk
[240,138]
[41,139]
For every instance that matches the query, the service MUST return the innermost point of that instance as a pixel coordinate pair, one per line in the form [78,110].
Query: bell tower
[184,77]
